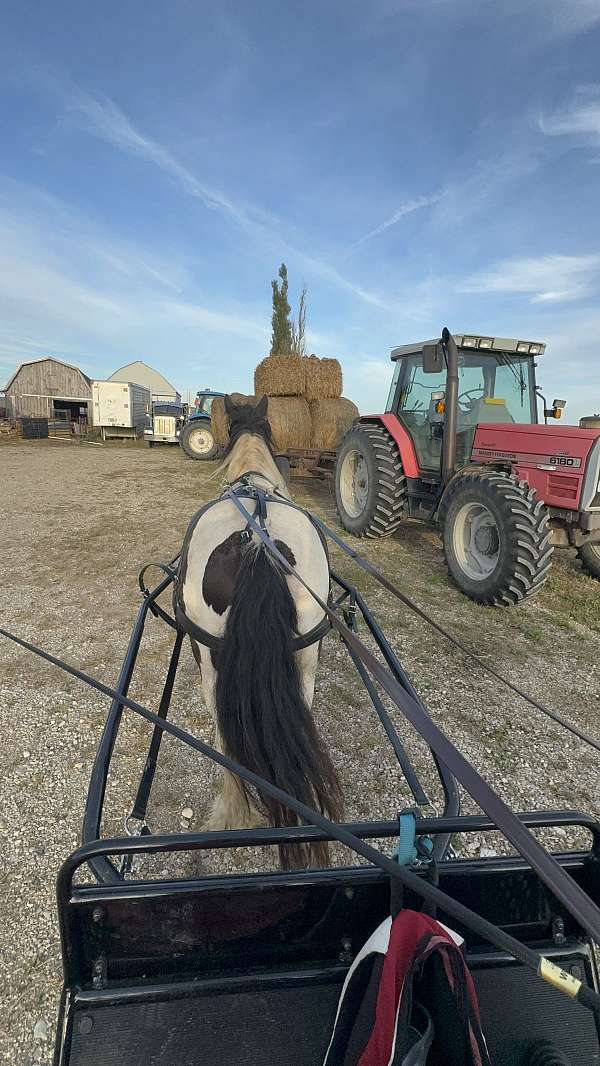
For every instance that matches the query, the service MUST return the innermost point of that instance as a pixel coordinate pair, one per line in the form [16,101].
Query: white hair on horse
[257,685]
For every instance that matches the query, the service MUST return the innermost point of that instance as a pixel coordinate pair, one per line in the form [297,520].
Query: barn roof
[146,375]
[45,359]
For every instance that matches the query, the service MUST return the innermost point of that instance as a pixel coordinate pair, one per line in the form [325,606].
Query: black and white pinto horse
[258,687]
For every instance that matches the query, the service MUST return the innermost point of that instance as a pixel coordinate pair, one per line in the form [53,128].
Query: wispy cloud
[546,279]
[580,118]
[100,117]
[406,208]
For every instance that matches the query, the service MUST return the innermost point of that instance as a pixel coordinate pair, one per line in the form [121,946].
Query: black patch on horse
[287,553]
[222,566]
[223,563]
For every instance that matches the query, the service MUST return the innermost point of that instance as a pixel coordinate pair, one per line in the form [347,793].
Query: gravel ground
[78,521]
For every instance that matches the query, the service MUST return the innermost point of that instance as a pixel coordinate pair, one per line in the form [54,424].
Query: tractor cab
[496,384]
[459,444]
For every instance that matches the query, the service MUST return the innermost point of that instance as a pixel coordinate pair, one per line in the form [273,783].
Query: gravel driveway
[78,521]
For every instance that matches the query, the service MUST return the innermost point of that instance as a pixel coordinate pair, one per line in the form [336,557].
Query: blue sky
[416,163]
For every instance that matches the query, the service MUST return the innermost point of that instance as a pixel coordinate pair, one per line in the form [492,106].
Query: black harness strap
[202,636]
[141,800]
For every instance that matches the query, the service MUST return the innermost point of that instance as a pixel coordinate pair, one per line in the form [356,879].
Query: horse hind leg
[232,808]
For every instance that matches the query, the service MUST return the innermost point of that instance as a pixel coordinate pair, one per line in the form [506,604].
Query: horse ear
[262,407]
[229,405]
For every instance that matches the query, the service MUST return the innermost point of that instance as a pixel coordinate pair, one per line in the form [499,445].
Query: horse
[258,686]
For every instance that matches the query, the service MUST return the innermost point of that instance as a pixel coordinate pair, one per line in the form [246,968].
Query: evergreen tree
[281,340]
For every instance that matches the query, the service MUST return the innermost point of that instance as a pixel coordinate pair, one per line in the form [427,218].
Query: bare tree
[299,327]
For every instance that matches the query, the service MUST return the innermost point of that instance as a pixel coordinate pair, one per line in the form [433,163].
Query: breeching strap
[546,867]
[492,934]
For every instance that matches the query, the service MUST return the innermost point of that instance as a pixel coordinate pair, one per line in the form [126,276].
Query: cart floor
[290,1025]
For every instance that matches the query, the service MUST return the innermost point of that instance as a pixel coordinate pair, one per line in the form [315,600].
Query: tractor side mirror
[433,359]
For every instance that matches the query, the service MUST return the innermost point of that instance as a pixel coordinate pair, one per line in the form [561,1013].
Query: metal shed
[47,388]
[162,391]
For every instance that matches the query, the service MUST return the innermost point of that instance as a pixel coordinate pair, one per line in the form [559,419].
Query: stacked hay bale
[306,406]
[289,417]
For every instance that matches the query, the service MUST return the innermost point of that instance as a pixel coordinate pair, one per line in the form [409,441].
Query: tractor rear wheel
[589,557]
[197,439]
[496,536]
[370,486]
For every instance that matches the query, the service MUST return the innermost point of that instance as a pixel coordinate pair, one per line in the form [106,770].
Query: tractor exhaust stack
[451,414]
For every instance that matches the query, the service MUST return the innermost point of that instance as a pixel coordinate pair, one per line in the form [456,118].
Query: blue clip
[406,851]
[411,849]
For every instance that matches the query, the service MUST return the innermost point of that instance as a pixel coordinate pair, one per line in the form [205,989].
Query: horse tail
[263,718]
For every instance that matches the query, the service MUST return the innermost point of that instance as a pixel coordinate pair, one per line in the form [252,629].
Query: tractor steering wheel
[467,394]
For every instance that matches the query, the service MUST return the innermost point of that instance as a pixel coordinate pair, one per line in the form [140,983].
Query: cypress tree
[281,340]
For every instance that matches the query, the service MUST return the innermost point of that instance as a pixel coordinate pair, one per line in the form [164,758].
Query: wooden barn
[47,388]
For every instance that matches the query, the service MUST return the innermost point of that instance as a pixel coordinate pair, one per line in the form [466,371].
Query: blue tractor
[196,437]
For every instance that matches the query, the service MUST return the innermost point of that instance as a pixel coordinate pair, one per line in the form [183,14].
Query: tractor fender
[402,438]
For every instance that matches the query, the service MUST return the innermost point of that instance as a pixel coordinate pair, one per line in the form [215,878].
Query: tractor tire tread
[389,501]
[528,553]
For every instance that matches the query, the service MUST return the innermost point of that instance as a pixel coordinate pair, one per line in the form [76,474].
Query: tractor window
[513,384]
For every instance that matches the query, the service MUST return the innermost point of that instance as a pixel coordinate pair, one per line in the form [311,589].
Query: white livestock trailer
[120,409]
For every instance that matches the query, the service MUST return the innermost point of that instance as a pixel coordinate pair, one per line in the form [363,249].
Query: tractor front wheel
[589,557]
[197,439]
[496,536]
[370,486]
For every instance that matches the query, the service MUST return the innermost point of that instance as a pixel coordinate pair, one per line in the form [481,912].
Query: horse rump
[262,715]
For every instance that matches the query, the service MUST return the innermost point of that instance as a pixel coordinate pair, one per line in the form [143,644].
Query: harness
[241,490]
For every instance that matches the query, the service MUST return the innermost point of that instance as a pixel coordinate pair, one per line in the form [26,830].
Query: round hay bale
[330,419]
[289,417]
[280,375]
[323,378]
[218,419]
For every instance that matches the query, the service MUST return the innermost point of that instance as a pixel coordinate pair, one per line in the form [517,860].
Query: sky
[416,164]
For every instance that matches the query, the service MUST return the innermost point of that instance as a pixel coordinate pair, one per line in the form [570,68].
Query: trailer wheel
[197,440]
[370,486]
[496,535]
[589,557]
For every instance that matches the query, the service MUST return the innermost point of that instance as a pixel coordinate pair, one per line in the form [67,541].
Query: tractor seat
[490,409]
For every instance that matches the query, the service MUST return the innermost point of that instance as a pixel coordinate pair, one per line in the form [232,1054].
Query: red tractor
[460,444]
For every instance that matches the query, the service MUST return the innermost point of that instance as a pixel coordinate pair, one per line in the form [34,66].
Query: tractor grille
[564,486]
